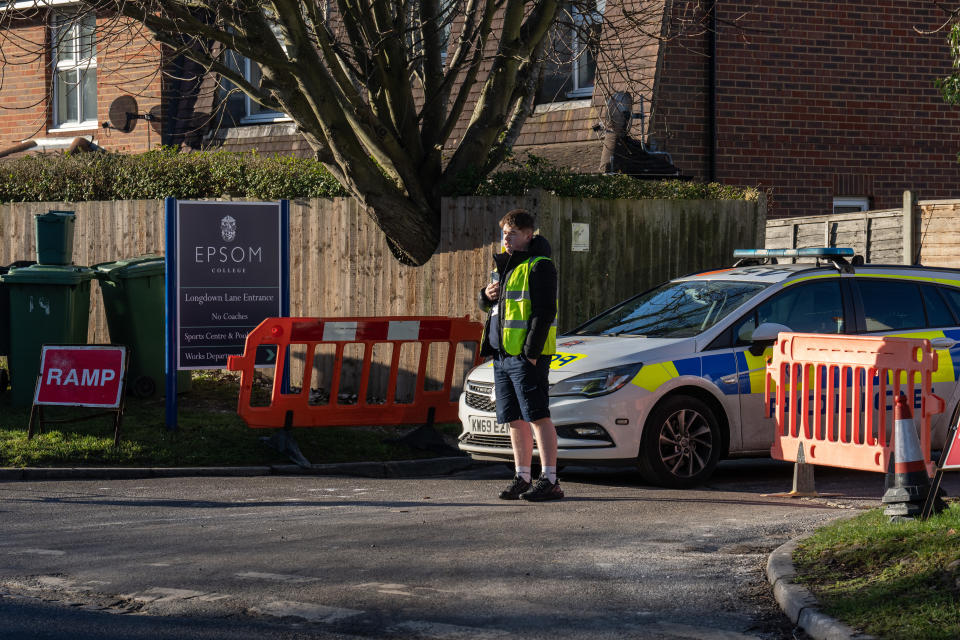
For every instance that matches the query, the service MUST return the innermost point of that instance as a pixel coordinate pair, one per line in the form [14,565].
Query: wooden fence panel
[340,264]
[876,235]
[938,233]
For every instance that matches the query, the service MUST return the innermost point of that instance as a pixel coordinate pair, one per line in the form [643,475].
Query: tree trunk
[412,232]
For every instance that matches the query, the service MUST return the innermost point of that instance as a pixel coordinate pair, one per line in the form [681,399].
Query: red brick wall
[128,63]
[24,76]
[816,100]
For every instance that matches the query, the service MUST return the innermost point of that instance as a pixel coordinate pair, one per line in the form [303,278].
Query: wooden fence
[925,232]
[937,233]
[878,236]
[340,264]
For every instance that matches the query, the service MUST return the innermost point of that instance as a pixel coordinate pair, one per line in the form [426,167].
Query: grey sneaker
[543,490]
[518,486]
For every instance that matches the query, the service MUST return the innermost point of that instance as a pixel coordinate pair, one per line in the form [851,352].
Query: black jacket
[543,296]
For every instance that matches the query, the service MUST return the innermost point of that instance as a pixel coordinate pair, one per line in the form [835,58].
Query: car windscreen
[673,310]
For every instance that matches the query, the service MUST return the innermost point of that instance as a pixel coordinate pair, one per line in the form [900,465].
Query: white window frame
[581,19]
[267,115]
[246,68]
[71,21]
[863,202]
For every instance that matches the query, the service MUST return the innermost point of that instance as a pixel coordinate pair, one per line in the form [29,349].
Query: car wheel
[681,443]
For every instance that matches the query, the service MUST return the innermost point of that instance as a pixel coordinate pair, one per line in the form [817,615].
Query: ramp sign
[952,458]
[81,376]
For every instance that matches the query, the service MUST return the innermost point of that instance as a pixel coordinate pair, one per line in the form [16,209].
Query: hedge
[166,172]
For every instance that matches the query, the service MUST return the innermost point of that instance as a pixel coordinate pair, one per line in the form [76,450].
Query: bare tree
[379,87]
[950,25]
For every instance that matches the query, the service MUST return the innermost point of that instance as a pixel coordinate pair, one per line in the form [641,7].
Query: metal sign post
[228,268]
[949,461]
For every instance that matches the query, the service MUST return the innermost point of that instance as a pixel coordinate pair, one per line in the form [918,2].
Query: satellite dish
[153,117]
[123,114]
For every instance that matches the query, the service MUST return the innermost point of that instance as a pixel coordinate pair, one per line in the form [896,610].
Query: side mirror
[765,335]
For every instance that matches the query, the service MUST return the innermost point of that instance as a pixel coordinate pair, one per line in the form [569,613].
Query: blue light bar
[818,252]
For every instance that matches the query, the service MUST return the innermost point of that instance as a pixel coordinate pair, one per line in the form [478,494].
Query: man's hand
[533,361]
[492,291]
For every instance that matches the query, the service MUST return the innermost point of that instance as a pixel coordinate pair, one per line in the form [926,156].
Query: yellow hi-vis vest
[517,310]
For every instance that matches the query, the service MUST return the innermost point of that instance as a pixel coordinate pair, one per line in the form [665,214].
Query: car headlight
[596,383]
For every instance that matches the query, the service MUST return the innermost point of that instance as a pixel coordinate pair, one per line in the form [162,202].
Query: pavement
[391,469]
[797,602]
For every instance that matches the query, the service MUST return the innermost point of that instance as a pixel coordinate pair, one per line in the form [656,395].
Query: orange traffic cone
[908,487]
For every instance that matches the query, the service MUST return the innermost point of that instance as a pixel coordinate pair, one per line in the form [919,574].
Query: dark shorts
[521,388]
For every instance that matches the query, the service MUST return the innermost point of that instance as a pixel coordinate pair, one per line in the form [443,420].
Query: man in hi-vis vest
[521,335]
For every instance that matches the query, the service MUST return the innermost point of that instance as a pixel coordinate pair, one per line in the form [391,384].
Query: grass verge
[897,581]
[210,434]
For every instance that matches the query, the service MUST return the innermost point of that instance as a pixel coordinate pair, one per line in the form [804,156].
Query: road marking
[443,631]
[689,632]
[306,610]
[56,581]
[386,587]
[399,589]
[165,594]
[38,552]
[278,577]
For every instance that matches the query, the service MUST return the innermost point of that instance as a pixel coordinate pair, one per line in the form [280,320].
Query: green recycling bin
[49,304]
[5,319]
[54,231]
[133,296]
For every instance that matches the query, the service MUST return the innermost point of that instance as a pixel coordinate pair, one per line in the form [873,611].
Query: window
[73,40]
[239,105]
[674,310]
[816,307]
[891,305]
[938,313]
[851,204]
[570,69]
[953,298]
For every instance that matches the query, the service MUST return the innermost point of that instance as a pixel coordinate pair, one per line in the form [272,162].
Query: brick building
[60,77]
[830,105]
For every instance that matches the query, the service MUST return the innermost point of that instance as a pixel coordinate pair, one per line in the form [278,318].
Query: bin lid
[139,267]
[16,265]
[55,216]
[47,274]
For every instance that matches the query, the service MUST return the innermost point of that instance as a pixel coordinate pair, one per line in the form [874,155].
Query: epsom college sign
[227,270]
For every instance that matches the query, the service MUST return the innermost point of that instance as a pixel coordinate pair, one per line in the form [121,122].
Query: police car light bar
[818,252]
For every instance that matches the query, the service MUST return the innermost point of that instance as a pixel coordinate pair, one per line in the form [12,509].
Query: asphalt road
[436,558]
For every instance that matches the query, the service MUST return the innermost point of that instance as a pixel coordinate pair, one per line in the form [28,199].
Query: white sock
[551,473]
[524,472]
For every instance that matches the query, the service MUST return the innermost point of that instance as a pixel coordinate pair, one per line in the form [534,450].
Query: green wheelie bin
[54,233]
[49,304]
[133,297]
[5,319]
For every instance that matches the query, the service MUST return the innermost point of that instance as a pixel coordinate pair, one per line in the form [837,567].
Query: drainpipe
[712,94]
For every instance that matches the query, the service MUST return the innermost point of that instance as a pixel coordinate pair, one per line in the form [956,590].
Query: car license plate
[479,424]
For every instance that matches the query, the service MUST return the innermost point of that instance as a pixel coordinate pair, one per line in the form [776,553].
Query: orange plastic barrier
[296,410]
[839,410]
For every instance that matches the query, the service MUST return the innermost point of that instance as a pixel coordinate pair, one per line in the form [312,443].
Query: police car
[672,379]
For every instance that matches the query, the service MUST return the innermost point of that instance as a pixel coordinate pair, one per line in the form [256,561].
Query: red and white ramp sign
[81,375]
[952,458]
